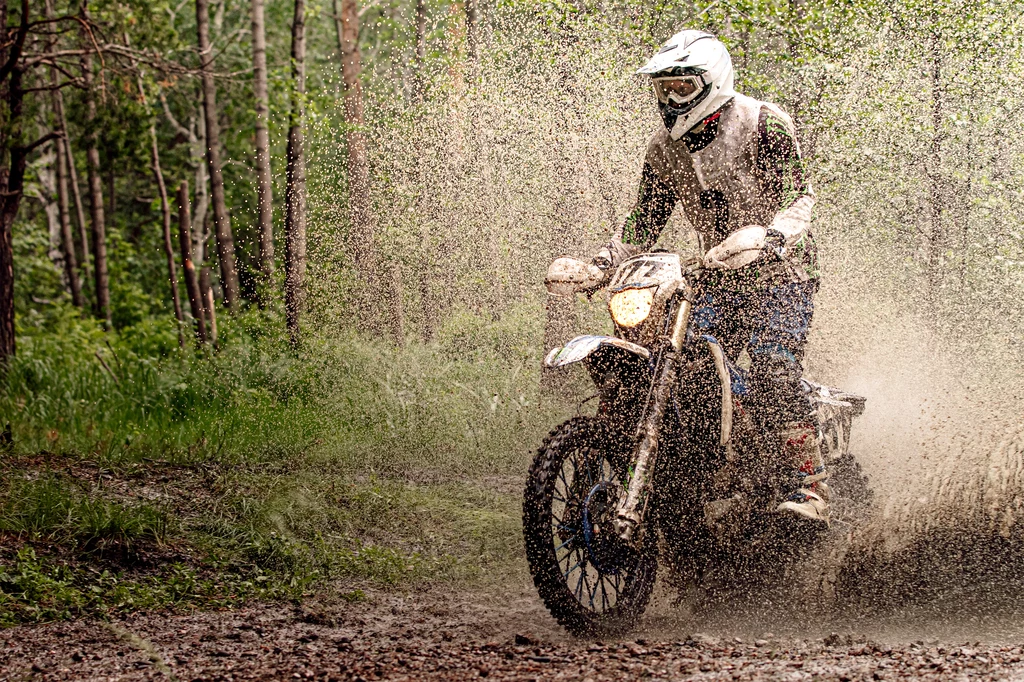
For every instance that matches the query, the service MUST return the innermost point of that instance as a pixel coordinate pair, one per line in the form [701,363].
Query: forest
[271,277]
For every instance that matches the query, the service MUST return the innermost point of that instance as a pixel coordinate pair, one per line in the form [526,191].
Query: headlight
[631,307]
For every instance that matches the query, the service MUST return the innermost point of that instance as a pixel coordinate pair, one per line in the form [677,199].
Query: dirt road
[436,635]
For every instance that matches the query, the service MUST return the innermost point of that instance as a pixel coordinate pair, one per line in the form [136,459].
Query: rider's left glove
[774,244]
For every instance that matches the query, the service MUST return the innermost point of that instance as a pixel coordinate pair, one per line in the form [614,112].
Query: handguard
[739,249]
[567,276]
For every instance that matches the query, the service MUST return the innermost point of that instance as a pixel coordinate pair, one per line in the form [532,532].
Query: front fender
[582,347]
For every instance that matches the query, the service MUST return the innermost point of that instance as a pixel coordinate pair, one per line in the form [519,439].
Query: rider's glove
[603,259]
[613,253]
[774,243]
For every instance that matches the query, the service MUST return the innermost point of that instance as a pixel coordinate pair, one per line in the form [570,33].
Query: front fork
[631,507]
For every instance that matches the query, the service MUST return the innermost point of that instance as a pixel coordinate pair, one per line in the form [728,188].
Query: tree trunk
[99,228]
[421,49]
[7,335]
[12,176]
[221,220]
[46,174]
[427,301]
[264,187]
[419,93]
[209,309]
[195,298]
[473,33]
[67,241]
[396,316]
[936,240]
[76,194]
[11,188]
[362,235]
[295,218]
[962,219]
[165,209]
[201,209]
[197,156]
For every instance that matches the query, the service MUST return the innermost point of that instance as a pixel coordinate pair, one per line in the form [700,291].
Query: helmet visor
[677,91]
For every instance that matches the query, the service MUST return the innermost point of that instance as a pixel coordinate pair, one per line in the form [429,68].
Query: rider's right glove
[613,253]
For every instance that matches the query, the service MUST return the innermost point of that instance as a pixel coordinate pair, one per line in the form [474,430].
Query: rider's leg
[779,335]
[715,312]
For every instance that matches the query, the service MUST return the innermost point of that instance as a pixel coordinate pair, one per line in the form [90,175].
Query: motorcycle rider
[733,164]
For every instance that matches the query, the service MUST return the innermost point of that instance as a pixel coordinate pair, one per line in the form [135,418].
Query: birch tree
[99,226]
[61,166]
[188,268]
[264,183]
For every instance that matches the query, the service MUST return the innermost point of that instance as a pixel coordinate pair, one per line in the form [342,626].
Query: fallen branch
[107,367]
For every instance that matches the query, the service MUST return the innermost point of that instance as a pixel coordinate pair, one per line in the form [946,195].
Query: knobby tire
[578,434]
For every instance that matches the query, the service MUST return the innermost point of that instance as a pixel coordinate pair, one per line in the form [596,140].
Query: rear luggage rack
[821,391]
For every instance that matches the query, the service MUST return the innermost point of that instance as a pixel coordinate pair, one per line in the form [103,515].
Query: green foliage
[309,460]
[31,591]
[34,589]
[59,396]
[54,509]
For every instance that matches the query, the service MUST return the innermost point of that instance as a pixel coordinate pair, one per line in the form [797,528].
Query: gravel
[434,635]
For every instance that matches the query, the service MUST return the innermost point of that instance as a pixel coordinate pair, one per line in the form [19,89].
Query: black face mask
[669,115]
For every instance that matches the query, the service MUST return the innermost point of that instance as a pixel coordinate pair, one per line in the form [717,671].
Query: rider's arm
[778,157]
[643,226]
[654,204]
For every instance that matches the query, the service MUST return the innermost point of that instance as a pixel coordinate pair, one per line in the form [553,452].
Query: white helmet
[693,77]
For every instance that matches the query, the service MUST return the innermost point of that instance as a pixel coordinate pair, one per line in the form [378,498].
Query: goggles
[677,91]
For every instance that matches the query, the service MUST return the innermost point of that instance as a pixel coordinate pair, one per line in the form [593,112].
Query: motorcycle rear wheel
[590,582]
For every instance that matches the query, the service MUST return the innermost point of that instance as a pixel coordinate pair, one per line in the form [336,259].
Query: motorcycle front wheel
[590,581]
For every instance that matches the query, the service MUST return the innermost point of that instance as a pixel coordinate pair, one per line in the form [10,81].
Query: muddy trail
[927,586]
[504,634]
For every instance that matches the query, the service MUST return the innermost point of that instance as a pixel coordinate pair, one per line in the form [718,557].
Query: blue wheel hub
[603,547]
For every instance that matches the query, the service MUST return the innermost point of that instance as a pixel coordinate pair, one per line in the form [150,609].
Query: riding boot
[801,450]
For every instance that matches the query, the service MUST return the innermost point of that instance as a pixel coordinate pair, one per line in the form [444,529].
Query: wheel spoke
[579,588]
[592,593]
[565,543]
[582,469]
[561,476]
[567,557]
[583,584]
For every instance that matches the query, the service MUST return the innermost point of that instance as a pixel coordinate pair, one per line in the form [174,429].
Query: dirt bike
[671,454]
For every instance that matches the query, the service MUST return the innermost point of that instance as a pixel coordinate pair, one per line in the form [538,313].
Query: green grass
[54,509]
[267,473]
[461,403]
[35,589]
